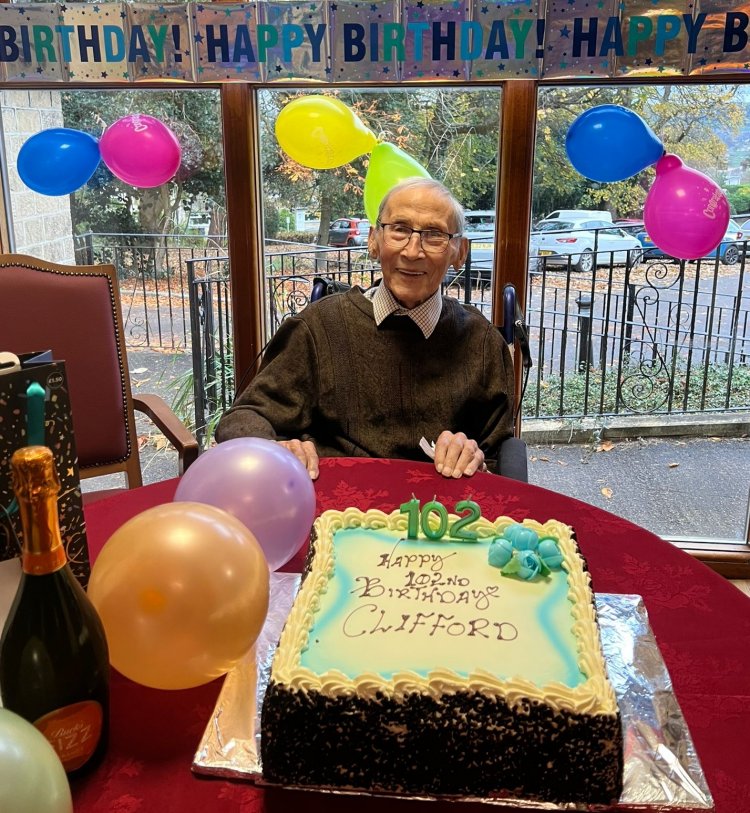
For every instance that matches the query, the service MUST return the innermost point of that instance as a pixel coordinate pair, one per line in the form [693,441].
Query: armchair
[75,311]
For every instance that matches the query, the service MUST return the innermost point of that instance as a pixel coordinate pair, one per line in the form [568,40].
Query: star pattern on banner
[544,51]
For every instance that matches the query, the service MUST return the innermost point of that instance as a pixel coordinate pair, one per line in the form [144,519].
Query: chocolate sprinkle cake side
[461,744]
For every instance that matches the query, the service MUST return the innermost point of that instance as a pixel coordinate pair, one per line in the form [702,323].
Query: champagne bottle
[54,663]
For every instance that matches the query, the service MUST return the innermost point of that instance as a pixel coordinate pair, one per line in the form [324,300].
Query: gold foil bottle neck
[34,474]
[36,485]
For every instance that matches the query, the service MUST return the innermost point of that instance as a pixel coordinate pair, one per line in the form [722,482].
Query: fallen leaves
[155,439]
[160,441]
[605,446]
[543,459]
[607,492]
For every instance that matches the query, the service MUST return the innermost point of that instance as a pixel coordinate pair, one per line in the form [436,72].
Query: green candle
[411,509]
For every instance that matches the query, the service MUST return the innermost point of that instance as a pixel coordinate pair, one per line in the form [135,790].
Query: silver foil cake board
[662,771]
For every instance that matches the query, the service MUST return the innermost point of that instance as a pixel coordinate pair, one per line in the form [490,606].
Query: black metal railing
[638,337]
[152,274]
[649,338]
[289,277]
[657,337]
[210,341]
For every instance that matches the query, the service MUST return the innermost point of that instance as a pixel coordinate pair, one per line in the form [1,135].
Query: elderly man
[369,374]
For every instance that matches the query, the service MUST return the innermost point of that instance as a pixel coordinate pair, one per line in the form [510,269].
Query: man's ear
[461,252]
[372,244]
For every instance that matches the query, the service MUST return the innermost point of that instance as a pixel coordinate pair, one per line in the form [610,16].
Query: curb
[543,431]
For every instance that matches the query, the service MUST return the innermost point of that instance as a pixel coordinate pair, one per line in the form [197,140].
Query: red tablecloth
[701,622]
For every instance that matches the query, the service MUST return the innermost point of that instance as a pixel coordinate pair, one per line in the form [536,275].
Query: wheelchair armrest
[171,426]
[512,460]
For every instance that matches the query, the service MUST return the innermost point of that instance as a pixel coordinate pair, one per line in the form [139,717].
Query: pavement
[695,481]
[674,486]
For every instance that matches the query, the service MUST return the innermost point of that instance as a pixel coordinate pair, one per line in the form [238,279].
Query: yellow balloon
[182,591]
[322,132]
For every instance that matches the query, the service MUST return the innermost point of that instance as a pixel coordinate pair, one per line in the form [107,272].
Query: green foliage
[271,219]
[691,120]
[452,132]
[106,204]
[183,403]
[297,236]
[597,393]
[739,198]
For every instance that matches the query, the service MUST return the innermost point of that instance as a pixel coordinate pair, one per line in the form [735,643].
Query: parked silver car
[584,243]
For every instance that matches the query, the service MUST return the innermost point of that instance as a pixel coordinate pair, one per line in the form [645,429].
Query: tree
[109,205]
[739,198]
[451,132]
[692,121]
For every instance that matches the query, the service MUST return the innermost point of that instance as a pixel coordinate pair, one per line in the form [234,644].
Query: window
[648,340]
[451,132]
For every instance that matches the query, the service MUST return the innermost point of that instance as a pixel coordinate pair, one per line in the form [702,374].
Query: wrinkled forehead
[419,208]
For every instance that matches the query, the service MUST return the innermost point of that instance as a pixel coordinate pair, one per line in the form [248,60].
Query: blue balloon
[610,143]
[58,161]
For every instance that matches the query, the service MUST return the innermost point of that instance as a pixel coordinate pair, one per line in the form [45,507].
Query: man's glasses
[433,241]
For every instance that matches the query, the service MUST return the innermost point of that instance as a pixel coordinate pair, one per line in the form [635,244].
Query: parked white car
[584,243]
[578,214]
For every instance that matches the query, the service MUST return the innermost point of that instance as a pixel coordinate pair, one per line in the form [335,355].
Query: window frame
[517,138]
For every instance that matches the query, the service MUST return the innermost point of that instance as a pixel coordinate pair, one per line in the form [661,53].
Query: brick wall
[41,223]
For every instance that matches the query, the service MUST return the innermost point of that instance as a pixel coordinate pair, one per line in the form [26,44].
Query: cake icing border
[594,696]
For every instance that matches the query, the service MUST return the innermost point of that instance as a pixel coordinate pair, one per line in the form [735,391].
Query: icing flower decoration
[550,553]
[519,552]
[521,537]
[530,565]
[500,552]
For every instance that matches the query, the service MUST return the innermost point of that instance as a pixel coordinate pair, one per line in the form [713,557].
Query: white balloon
[32,778]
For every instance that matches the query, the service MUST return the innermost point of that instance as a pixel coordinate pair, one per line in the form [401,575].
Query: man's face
[412,274]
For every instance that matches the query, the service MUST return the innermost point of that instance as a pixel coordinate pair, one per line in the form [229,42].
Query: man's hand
[306,453]
[457,456]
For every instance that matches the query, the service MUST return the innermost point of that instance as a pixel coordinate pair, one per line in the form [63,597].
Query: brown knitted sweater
[357,390]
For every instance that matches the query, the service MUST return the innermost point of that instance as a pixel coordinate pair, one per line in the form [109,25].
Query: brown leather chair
[75,311]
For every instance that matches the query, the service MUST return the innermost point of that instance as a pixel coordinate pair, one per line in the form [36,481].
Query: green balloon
[389,165]
[32,778]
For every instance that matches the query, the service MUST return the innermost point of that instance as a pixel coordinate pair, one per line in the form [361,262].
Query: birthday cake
[432,654]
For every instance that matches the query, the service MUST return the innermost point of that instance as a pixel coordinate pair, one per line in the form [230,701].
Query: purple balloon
[262,484]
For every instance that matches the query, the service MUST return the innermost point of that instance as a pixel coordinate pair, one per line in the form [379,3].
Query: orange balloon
[182,591]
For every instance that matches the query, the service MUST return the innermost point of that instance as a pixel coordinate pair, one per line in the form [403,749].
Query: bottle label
[74,732]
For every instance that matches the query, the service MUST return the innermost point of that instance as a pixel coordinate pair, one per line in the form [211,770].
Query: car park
[348,231]
[728,251]
[582,243]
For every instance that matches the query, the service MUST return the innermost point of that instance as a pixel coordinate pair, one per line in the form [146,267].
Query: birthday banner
[382,42]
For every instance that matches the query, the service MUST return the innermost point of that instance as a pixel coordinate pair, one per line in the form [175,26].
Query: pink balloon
[262,484]
[686,214]
[140,150]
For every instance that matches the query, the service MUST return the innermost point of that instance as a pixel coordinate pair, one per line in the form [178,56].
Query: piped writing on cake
[388,592]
